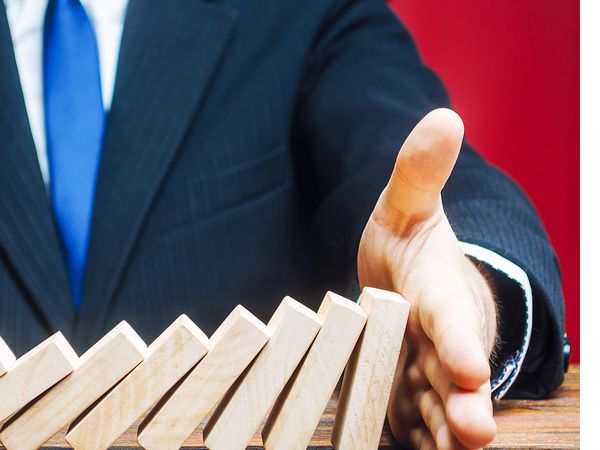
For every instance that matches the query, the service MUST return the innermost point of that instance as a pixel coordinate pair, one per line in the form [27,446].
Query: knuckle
[427,408]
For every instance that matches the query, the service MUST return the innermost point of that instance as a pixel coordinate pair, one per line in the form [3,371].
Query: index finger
[450,317]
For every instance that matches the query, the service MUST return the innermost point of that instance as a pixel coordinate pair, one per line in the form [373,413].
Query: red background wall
[512,69]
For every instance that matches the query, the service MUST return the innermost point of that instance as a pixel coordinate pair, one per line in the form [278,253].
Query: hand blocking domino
[283,372]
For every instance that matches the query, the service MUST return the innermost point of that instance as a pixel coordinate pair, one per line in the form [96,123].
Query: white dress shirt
[26,21]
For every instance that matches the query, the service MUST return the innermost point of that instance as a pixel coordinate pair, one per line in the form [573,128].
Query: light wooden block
[99,369]
[35,372]
[296,414]
[232,348]
[368,378]
[7,358]
[169,358]
[292,328]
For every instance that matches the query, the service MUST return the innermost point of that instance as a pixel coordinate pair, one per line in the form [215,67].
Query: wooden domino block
[368,378]
[35,372]
[169,358]
[7,358]
[292,328]
[297,412]
[99,369]
[232,348]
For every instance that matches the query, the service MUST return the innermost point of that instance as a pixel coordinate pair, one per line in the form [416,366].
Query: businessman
[160,157]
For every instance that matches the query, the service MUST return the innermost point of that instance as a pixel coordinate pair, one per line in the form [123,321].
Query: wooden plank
[7,358]
[99,369]
[232,348]
[368,378]
[296,414]
[35,372]
[292,328]
[169,358]
[550,423]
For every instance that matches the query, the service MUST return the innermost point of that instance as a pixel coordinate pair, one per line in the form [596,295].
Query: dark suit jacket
[247,143]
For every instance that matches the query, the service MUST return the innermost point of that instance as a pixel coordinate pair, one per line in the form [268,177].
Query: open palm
[441,393]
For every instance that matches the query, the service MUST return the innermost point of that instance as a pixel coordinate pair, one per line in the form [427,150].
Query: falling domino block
[232,348]
[296,414]
[169,358]
[370,372]
[99,369]
[292,328]
[35,372]
[7,358]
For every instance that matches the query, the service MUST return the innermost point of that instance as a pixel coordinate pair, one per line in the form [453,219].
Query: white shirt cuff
[510,368]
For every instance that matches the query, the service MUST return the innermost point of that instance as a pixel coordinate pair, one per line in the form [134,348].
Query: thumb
[423,166]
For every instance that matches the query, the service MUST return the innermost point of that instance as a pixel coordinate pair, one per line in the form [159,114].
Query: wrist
[482,286]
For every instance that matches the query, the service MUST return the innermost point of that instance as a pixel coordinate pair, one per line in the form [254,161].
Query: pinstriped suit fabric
[245,148]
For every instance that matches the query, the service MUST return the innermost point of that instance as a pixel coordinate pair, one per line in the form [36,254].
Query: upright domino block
[370,372]
[35,372]
[232,348]
[298,410]
[169,358]
[7,358]
[292,328]
[99,369]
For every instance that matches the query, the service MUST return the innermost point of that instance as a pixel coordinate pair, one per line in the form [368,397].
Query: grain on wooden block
[35,372]
[292,329]
[296,414]
[7,358]
[99,369]
[232,348]
[370,372]
[169,358]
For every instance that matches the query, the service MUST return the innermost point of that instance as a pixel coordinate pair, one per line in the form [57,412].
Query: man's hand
[441,392]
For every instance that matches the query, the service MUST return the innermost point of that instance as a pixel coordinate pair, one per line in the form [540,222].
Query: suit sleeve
[364,89]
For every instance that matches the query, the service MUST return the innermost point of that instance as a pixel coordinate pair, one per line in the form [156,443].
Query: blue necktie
[74,128]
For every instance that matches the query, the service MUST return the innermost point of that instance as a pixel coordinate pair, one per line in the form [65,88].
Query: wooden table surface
[542,424]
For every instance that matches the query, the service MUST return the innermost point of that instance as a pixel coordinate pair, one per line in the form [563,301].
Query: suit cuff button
[566,352]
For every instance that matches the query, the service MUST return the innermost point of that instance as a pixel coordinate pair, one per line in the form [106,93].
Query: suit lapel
[169,52]
[27,234]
